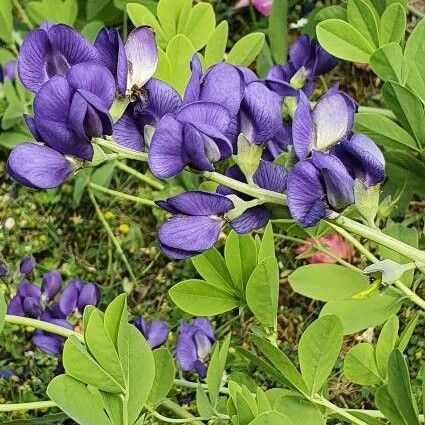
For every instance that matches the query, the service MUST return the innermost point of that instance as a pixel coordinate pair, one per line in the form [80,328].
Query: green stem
[122,195]
[382,111]
[147,179]
[263,194]
[376,413]
[318,399]
[124,152]
[112,236]
[377,236]
[27,406]
[44,326]
[179,411]
[193,385]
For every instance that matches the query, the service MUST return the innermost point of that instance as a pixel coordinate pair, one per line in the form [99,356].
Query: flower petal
[333,118]
[205,326]
[300,51]
[201,153]
[142,56]
[88,295]
[38,166]
[128,131]
[302,127]
[305,193]
[166,157]
[339,184]
[203,344]
[48,343]
[51,284]
[196,233]
[271,176]
[199,203]
[15,306]
[186,352]
[193,88]
[252,219]
[177,254]
[158,333]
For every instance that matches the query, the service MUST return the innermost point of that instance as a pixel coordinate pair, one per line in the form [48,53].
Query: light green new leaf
[163,70]
[6,21]
[360,366]
[385,345]
[77,401]
[199,298]
[102,348]
[201,25]
[318,351]
[116,317]
[278,31]
[165,372]
[407,332]
[387,62]
[271,418]
[386,405]
[245,51]
[358,314]
[203,404]
[2,310]
[408,109]
[362,17]
[393,24]
[79,364]
[240,253]
[168,12]
[327,282]
[384,131]
[400,389]
[57,11]
[216,46]
[262,291]
[344,41]
[91,30]
[267,243]
[179,52]
[212,267]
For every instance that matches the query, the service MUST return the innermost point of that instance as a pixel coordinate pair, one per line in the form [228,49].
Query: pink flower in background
[334,243]
[263,6]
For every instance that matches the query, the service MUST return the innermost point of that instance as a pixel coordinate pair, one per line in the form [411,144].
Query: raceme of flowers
[75,84]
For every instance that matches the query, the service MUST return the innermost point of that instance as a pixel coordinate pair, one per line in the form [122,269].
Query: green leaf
[103,176]
[212,267]
[362,17]
[165,372]
[359,314]
[393,24]
[139,366]
[201,25]
[278,31]
[216,369]
[344,41]
[216,46]
[386,343]
[179,52]
[267,243]
[271,418]
[91,30]
[387,62]
[77,401]
[264,61]
[79,364]
[262,291]
[327,282]
[282,363]
[203,404]
[408,235]
[199,298]
[407,108]
[407,332]
[56,11]
[6,21]
[246,49]
[400,389]
[360,366]
[240,253]
[163,70]
[384,131]
[116,317]
[168,12]
[414,59]
[318,351]
[102,348]
[387,406]
[2,310]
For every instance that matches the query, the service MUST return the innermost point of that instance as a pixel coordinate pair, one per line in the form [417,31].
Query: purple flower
[50,51]
[27,265]
[7,374]
[307,60]
[48,343]
[38,166]
[329,122]
[76,296]
[195,226]
[8,70]
[194,345]
[26,302]
[156,332]
[3,270]
[51,284]
[70,109]
[268,176]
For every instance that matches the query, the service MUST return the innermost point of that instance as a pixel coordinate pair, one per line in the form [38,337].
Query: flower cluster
[226,112]
[51,304]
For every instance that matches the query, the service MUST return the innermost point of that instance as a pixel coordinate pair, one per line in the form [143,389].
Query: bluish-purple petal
[302,127]
[51,284]
[252,219]
[271,176]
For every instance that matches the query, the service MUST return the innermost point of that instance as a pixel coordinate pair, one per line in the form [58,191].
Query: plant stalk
[124,152]
[156,184]
[36,405]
